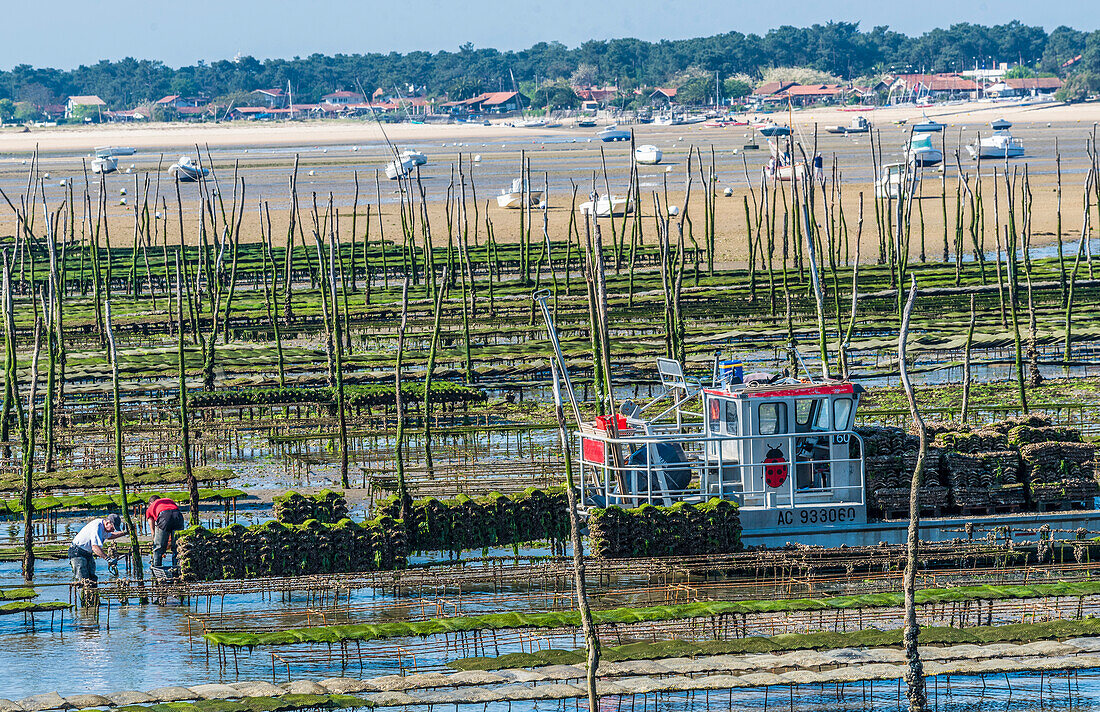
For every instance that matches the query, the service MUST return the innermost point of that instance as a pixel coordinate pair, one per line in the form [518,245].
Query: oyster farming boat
[784,449]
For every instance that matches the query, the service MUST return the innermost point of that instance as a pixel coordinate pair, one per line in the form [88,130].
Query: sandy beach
[183,136]
[333,154]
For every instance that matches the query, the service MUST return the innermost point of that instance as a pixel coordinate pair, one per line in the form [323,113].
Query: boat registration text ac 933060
[815,515]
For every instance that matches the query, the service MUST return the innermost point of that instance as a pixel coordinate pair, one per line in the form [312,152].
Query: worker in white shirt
[88,544]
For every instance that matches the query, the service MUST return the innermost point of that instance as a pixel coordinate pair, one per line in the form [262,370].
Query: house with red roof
[907,87]
[806,94]
[492,102]
[1034,86]
[593,98]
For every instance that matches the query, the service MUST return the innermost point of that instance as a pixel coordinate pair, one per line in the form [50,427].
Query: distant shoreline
[182,137]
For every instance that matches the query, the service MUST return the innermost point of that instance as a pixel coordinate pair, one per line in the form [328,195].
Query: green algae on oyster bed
[1083,391]
[105,502]
[1010,633]
[707,609]
[103,477]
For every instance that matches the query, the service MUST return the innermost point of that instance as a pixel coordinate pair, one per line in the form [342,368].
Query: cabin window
[773,418]
[731,417]
[803,411]
[822,422]
[842,412]
[714,415]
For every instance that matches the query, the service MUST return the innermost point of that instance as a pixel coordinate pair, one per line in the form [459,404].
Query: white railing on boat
[612,472]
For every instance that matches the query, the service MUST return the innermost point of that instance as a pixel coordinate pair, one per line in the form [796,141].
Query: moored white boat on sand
[613,133]
[921,152]
[417,157]
[928,126]
[858,125]
[104,165]
[400,167]
[185,171]
[773,129]
[1000,144]
[648,155]
[605,208]
[888,184]
[513,198]
[108,151]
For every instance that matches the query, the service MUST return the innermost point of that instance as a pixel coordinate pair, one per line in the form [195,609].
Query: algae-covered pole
[591,639]
[811,254]
[914,673]
[185,435]
[124,503]
[402,489]
[50,313]
[28,437]
[437,316]
[12,400]
[1076,266]
[1058,219]
[855,294]
[965,414]
[272,300]
[333,253]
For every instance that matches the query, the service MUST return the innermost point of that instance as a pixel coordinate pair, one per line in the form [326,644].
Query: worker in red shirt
[167,519]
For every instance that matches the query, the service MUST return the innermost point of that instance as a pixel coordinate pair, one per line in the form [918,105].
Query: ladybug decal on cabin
[775,467]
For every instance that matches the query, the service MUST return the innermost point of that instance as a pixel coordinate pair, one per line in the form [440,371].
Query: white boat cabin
[783,449]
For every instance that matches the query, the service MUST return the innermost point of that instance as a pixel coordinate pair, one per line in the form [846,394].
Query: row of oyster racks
[764,442]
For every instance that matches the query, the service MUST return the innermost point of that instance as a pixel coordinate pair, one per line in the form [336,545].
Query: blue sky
[66,33]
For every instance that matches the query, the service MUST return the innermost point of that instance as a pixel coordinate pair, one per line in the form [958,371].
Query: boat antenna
[798,357]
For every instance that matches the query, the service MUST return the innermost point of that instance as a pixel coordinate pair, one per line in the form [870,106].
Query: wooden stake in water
[399,460]
[185,434]
[124,504]
[914,673]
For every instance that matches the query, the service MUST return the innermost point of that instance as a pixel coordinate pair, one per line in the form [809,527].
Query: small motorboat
[1000,125]
[1000,144]
[399,168]
[888,184]
[921,152]
[513,198]
[858,125]
[108,151]
[417,157]
[648,155]
[613,133]
[586,123]
[773,129]
[104,165]
[529,124]
[605,208]
[185,171]
[787,172]
[668,120]
[928,126]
